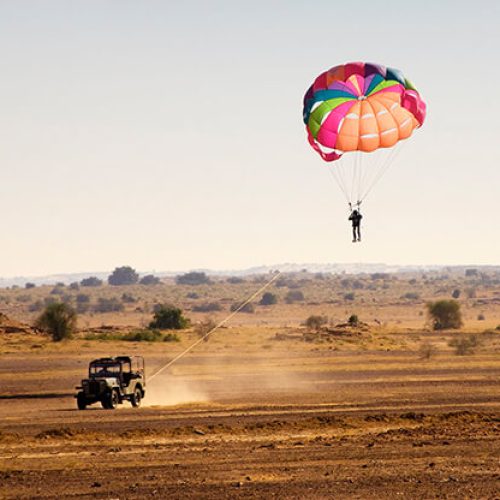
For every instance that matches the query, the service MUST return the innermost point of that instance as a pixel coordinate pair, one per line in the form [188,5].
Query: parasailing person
[356,115]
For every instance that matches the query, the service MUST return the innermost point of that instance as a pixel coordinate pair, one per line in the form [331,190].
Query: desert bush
[294,296]
[358,285]
[36,306]
[127,298]
[413,281]
[29,285]
[349,296]
[67,297]
[445,314]
[57,290]
[82,307]
[192,295]
[353,320]
[315,322]
[103,336]
[281,283]
[25,297]
[106,305]
[91,281]
[59,320]
[171,337]
[202,328]
[208,307]
[464,344]
[471,272]
[260,278]
[193,278]
[426,350]
[123,275]
[456,293]
[82,298]
[481,317]
[149,279]
[379,276]
[247,308]
[411,296]
[167,317]
[146,335]
[235,280]
[268,299]
[74,286]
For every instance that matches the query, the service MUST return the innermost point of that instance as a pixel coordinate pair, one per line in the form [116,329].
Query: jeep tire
[80,401]
[136,398]
[111,400]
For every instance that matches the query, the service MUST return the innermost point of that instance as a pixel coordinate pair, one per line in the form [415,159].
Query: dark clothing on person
[355,218]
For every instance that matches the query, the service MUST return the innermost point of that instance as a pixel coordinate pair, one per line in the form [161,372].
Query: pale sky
[168,135]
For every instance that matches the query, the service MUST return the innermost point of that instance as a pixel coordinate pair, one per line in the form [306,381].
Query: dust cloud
[239,379]
[171,391]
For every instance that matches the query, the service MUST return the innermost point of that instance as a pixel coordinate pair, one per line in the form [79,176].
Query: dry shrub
[426,350]
[59,320]
[445,314]
[202,328]
[464,344]
[207,307]
[315,322]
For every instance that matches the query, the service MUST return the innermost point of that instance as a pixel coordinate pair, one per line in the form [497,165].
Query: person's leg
[359,233]
[354,234]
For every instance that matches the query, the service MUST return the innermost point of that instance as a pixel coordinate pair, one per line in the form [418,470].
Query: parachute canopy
[360,107]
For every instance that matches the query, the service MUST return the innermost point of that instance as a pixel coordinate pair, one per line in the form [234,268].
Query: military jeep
[111,381]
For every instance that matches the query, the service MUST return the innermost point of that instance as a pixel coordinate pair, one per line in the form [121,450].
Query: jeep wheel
[111,400]
[80,401]
[136,398]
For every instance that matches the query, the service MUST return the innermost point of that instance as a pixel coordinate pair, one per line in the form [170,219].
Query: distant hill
[335,268]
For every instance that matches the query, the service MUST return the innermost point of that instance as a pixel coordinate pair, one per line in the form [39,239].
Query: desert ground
[267,407]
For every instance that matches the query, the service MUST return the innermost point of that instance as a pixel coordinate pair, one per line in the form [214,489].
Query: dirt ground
[249,416]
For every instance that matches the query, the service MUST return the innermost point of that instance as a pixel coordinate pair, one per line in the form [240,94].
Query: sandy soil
[237,419]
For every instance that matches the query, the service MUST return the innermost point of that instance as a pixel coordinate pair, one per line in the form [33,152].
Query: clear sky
[168,135]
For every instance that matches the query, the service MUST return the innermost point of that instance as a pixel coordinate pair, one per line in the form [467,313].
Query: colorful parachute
[360,107]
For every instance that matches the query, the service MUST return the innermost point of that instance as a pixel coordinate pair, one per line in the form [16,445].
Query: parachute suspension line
[354,174]
[339,180]
[372,170]
[276,275]
[390,159]
[342,172]
[368,173]
[361,170]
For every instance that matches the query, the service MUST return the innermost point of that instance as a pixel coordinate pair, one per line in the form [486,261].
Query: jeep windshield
[104,369]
